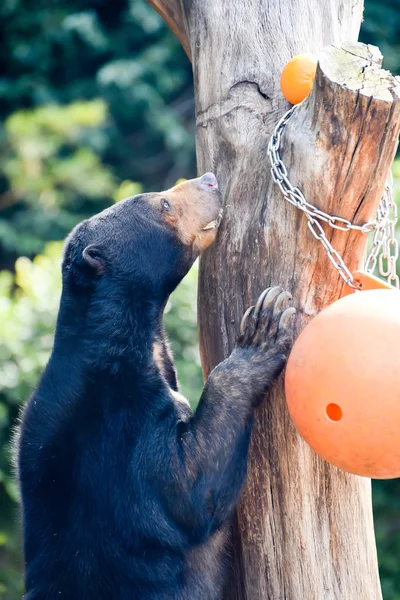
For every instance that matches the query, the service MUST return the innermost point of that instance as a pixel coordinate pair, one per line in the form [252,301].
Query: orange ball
[298,77]
[343,384]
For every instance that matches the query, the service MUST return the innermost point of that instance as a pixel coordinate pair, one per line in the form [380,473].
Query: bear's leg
[214,442]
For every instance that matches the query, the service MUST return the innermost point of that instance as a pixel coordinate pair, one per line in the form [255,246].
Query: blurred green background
[96,104]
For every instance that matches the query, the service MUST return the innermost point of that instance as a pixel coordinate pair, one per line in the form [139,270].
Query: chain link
[384,251]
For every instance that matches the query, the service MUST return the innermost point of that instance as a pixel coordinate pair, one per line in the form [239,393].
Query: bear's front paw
[266,330]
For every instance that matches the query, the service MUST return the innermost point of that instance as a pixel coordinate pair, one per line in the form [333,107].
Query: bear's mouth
[215,222]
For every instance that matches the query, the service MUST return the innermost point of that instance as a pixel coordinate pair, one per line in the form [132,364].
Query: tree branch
[173,14]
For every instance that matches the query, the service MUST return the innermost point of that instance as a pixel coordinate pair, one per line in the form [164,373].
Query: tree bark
[303,529]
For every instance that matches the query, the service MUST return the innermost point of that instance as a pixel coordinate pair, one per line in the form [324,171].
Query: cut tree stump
[303,529]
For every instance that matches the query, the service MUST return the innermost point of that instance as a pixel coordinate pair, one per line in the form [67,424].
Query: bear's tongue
[215,223]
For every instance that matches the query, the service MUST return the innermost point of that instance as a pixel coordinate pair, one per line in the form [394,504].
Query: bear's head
[147,242]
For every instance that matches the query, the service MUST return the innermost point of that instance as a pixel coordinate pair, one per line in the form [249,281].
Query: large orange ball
[343,384]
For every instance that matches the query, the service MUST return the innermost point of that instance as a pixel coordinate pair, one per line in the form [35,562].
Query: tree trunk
[303,529]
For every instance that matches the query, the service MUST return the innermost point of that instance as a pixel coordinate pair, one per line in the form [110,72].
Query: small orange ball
[343,384]
[298,77]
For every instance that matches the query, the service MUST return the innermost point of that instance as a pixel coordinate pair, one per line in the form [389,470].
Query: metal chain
[384,249]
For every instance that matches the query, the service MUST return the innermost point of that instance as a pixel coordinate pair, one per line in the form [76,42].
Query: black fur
[126,494]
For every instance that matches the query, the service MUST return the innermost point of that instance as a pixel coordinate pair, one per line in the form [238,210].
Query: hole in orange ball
[334,412]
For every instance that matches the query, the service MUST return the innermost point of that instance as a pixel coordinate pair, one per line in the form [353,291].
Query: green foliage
[127,86]
[28,308]
[52,172]
[381,27]
[386,500]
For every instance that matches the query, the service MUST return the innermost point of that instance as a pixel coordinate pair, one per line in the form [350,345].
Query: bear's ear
[94,258]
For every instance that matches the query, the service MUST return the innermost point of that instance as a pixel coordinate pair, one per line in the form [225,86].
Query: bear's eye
[165,204]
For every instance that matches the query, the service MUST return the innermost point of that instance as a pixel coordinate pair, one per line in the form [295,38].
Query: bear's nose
[208,180]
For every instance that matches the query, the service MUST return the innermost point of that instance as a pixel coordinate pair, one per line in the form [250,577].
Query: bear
[126,493]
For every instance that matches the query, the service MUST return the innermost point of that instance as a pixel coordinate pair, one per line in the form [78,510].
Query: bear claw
[286,317]
[261,299]
[270,298]
[245,318]
[263,322]
[281,299]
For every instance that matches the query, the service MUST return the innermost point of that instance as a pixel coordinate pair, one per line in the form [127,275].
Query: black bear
[126,494]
